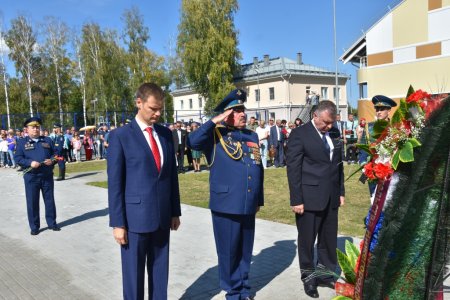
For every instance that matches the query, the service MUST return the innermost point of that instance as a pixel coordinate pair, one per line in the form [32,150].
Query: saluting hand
[219,118]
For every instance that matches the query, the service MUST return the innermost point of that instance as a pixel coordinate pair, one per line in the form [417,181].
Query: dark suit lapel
[140,138]
[316,137]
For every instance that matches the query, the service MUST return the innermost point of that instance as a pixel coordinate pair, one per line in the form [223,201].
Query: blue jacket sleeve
[116,182]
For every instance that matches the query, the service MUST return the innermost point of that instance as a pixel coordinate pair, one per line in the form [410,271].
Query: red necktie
[154,147]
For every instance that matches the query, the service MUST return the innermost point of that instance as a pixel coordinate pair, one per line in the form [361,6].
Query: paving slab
[82,261]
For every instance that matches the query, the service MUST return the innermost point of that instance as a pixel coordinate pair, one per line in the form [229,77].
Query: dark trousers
[180,158]
[234,236]
[323,225]
[34,184]
[278,160]
[351,153]
[151,249]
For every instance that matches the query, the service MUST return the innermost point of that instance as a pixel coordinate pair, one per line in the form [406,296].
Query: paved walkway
[82,261]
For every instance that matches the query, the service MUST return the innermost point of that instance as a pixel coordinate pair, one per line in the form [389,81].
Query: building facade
[277,88]
[410,45]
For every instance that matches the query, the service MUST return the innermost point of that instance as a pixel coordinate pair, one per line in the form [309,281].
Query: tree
[91,47]
[21,41]
[135,36]
[80,68]
[56,38]
[207,45]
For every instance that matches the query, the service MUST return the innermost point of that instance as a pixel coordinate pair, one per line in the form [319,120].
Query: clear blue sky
[277,28]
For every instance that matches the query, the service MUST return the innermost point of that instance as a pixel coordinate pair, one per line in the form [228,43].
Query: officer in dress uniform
[59,142]
[236,189]
[37,152]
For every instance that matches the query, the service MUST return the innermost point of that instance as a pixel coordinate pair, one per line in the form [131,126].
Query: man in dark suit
[236,190]
[276,139]
[316,183]
[143,195]
[179,141]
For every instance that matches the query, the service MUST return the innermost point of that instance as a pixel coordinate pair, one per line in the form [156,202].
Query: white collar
[143,126]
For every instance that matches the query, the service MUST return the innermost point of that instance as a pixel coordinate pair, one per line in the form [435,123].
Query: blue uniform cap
[33,121]
[57,125]
[383,101]
[235,98]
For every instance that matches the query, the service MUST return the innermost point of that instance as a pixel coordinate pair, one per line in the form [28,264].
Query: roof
[281,66]
[269,68]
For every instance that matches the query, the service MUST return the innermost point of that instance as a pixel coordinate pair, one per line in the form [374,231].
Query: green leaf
[396,159]
[341,298]
[410,91]
[352,252]
[357,171]
[414,142]
[346,266]
[401,113]
[379,127]
[407,153]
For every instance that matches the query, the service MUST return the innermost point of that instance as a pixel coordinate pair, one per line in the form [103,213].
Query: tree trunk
[6,91]
[29,89]
[59,94]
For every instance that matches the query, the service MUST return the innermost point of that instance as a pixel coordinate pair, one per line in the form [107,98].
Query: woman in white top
[263,133]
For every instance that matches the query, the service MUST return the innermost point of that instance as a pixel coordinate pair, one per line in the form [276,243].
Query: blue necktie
[325,142]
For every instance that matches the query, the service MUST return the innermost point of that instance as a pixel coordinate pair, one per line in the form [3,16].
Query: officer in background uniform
[236,189]
[37,152]
[59,141]
[383,106]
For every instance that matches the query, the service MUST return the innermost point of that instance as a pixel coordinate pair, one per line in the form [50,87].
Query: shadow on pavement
[266,266]
[84,217]
[82,175]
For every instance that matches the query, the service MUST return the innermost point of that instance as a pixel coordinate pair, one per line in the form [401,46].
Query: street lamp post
[335,57]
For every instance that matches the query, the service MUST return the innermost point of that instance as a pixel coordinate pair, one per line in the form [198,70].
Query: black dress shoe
[34,232]
[311,290]
[56,228]
[328,284]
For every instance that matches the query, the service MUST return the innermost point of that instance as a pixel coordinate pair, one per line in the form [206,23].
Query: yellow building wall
[445,3]
[431,75]
[410,23]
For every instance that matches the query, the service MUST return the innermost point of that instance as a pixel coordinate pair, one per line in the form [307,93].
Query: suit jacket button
[249,190]
[249,177]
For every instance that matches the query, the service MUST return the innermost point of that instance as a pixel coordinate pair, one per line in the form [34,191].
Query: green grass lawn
[85,166]
[194,190]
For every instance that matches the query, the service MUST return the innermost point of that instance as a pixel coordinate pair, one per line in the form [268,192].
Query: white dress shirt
[329,141]
[143,127]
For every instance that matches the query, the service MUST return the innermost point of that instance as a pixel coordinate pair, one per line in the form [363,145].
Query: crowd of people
[92,142]
[144,158]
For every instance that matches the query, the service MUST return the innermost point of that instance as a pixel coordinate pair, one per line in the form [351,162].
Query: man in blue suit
[276,139]
[236,189]
[143,195]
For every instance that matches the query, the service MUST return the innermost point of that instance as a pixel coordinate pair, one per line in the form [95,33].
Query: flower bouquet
[401,256]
